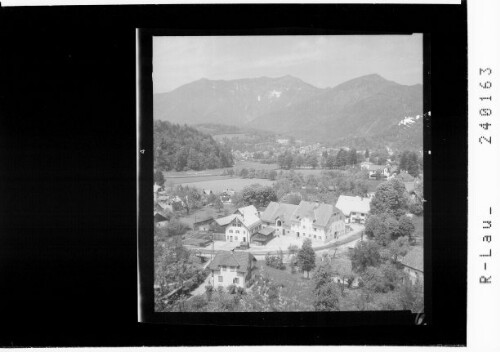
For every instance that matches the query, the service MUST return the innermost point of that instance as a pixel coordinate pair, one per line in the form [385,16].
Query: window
[230,231]
[303,226]
[314,228]
[236,280]
[303,234]
[224,268]
[244,239]
[237,231]
[220,278]
[319,237]
[315,236]
[236,238]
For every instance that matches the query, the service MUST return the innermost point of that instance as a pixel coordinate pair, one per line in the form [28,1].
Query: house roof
[159,217]
[266,231]
[372,167]
[349,204]
[203,220]
[414,259]
[410,186]
[405,177]
[230,258]
[274,210]
[320,213]
[247,215]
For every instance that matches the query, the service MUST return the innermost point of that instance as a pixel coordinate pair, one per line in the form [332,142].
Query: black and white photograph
[288,173]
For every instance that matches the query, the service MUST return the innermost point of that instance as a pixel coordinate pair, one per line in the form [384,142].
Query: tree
[258,195]
[306,257]
[326,293]
[298,160]
[383,228]
[399,248]
[367,153]
[406,227]
[364,255]
[390,197]
[353,157]
[330,161]
[312,160]
[218,204]
[381,279]
[292,198]
[244,173]
[272,175]
[159,178]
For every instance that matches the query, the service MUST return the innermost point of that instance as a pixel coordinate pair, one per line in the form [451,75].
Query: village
[235,249]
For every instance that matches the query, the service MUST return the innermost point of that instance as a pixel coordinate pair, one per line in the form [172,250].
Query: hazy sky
[323,61]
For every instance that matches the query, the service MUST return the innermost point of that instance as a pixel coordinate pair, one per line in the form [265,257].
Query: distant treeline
[185,148]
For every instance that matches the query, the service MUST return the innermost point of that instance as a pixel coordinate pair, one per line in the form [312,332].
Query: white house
[355,209]
[317,221]
[374,169]
[241,225]
[413,264]
[232,268]
[279,217]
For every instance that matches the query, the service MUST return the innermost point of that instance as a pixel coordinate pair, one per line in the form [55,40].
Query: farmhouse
[413,263]
[264,235]
[232,268]
[355,209]
[279,217]
[319,221]
[241,225]
[203,224]
[373,170]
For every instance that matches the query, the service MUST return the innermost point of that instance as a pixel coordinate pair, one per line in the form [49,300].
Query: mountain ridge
[364,106]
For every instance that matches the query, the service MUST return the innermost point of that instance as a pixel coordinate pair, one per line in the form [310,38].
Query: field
[220,185]
[254,165]
[219,137]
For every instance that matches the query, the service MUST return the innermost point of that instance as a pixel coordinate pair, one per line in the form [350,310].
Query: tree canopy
[390,197]
[181,147]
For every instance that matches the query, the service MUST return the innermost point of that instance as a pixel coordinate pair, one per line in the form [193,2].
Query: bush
[250,282]
[275,261]
[231,289]
[240,291]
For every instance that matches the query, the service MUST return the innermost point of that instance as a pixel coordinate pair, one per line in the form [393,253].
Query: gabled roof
[203,220]
[274,210]
[249,217]
[349,204]
[405,177]
[376,167]
[320,214]
[410,186]
[238,259]
[414,259]
[266,231]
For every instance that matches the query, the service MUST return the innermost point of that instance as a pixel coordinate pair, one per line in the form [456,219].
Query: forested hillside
[182,148]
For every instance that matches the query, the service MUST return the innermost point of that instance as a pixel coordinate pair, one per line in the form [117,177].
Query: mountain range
[369,107]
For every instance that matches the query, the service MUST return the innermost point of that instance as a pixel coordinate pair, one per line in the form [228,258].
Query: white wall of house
[237,232]
[307,229]
[414,275]
[357,215]
[227,276]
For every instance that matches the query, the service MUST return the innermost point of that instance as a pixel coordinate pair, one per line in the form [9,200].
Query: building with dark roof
[279,217]
[413,264]
[317,221]
[232,268]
